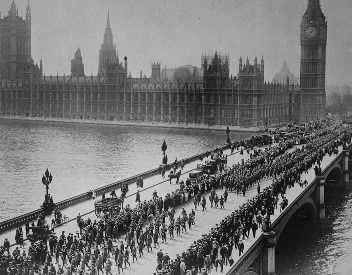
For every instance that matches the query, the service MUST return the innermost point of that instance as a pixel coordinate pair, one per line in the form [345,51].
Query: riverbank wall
[141,124]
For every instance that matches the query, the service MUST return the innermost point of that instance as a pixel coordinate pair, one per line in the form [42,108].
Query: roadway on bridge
[161,185]
[204,220]
[175,246]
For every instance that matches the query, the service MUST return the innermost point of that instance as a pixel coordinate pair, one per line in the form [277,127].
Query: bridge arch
[334,175]
[251,272]
[307,209]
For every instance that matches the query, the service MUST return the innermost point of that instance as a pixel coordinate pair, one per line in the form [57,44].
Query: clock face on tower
[310,32]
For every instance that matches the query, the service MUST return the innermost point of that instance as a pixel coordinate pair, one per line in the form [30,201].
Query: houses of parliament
[203,96]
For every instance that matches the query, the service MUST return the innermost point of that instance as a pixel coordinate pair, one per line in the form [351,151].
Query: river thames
[82,157]
[86,156]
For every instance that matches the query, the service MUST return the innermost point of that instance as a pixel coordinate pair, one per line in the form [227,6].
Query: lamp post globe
[46,180]
[48,204]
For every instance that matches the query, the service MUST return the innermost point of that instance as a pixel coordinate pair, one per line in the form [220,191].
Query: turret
[77,66]
[126,64]
[156,71]
[109,65]
[28,12]
[28,46]
[262,65]
[108,39]
[204,65]
[13,10]
[41,67]
[240,64]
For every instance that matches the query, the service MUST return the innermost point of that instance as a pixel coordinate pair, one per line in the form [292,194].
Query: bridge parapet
[250,260]
[20,220]
[33,215]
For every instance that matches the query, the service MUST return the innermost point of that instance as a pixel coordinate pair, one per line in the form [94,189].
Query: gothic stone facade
[208,97]
[313,62]
[214,99]
[15,46]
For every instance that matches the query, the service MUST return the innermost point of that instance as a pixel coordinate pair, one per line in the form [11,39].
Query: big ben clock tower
[313,61]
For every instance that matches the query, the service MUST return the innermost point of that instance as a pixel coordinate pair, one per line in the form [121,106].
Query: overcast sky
[178,32]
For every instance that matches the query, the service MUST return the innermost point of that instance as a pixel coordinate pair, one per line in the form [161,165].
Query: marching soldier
[134,253]
[171,230]
[204,202]
[138,197]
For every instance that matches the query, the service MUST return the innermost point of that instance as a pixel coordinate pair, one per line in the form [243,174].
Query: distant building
[330,91]
[109,65]
[345,89]
[156,73]
[77,67]
[188,95]
[281,77]
[15,46]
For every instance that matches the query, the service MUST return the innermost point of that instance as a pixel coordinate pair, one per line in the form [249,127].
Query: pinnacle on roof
[108,38]
[313,10]
[314,3]
[13,9]
[108,22]
[78,52]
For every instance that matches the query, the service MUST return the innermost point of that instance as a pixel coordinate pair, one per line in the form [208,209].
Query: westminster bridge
[259,253]
[309,202]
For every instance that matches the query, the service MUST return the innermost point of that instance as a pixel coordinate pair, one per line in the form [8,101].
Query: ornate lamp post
[228,141]
[48,205]
[46,180]
[163,148]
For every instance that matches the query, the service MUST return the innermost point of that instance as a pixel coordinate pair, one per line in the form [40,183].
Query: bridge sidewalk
[204,220]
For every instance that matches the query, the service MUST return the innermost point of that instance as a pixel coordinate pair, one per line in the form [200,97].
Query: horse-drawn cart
[175,175]
[41,232]
[210,167]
